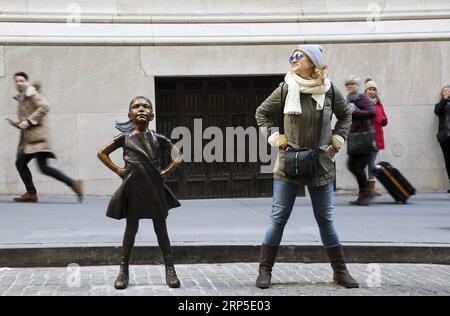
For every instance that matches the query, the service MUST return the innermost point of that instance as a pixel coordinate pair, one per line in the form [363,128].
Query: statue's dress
[143,193]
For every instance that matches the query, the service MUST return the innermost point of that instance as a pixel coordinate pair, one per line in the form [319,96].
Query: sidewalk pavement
[228,280]
[60,222]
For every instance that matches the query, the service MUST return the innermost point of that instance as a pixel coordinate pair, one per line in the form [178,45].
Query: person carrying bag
[361,140]
[306,144]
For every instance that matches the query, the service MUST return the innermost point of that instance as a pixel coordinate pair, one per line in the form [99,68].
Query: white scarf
[299,85]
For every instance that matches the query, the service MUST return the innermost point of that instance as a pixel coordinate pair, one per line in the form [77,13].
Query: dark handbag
[361,143]
[302,162]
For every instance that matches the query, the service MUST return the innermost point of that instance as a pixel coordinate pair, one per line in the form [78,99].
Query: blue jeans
[284,195]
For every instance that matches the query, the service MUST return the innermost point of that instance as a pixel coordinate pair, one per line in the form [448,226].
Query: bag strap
[318,135]
[319,131]
[283,103]
[317,144]
[333,95]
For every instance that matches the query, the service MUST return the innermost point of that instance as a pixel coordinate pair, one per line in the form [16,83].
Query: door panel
[221,102]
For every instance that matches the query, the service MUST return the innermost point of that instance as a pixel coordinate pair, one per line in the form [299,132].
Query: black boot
[164,244]
[171,277]
[341,275]
[266,263]
[123,277]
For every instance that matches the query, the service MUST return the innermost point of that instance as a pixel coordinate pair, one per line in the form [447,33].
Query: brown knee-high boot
[266,263]
[362,200]
[164,244]
[129,237]
[341,275]
[373,188]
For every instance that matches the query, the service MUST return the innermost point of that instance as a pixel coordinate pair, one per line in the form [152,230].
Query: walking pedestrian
[35,139]
[379,121]
[361,139]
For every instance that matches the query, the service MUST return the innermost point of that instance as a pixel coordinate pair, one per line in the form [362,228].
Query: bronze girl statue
[143,193]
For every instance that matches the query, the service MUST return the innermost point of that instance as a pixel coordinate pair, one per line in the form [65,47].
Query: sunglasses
[296,56]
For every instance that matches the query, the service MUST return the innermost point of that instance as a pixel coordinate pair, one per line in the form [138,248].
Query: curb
[198,254]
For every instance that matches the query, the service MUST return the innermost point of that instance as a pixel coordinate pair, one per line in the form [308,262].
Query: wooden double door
[221,102]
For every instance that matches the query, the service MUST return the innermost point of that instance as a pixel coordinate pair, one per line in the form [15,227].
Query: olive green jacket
[301,130]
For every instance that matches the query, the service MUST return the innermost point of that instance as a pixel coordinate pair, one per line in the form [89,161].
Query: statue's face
[141,112]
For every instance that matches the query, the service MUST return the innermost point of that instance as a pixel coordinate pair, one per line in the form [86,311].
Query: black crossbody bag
[303,162]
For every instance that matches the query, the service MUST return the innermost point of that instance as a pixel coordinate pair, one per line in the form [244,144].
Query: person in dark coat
[143,193]
[442,110]
[362,121]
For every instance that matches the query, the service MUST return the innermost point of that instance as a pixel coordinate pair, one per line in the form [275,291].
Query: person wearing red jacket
[379,122]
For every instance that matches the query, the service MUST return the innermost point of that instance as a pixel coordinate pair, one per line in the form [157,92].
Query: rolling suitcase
[394,182]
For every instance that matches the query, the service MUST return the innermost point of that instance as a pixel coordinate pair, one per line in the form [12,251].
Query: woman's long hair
[441,96]
[320,74]
[128,126]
